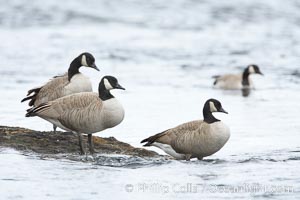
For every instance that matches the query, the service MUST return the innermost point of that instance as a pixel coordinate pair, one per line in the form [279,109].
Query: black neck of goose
[74,68]
[104,94]
[208,117]
[245,80]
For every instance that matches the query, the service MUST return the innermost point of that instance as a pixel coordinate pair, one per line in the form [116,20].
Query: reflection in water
[246,91]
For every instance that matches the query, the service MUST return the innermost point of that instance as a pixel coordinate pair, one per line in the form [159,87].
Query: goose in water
[237,81]
[85,112]
[195,139]
[71,82]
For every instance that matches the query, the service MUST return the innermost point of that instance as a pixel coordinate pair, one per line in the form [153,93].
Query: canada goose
[237,81]
[86,112]
[195,139]
[71,82]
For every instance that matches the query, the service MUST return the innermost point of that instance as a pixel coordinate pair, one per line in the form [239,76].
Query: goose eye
[88,60]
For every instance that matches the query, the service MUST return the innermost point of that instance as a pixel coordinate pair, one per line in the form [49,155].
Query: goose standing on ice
[85,112]
[237,81]
[71,82]
[195,139]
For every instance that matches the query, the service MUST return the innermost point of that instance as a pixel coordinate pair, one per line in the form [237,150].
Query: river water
[164,53]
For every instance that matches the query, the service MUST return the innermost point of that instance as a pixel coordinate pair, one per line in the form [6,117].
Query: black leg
[91,144]
[54,128]
[82,151]
[188,157]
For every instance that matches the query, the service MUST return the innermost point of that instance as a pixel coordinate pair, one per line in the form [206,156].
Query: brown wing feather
[52,90]
[71,111]
[77,111]
[186,140]
[170,135]
[48,92]
[67,104]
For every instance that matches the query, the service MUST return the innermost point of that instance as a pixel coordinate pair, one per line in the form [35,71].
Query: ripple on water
[294,158]
[133,162]
[11,179]
[296,73]
[110,160]
[256,160]
[207,176]
[129,161]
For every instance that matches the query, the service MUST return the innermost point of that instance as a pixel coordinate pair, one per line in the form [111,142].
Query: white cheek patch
[107,84]
[212,107]
[251,70]
[83,61]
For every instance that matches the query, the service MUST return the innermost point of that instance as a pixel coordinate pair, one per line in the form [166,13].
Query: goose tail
[146,140]
[150,140]
[31,112]
[216,79]
[32,98]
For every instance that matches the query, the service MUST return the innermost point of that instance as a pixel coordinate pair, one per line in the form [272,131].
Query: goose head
[111,82]
[210,106]
[253,69]
[215,106]
[87,60]
[106,84]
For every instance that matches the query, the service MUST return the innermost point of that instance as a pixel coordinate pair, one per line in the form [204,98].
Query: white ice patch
[83,61]
[107,84]
[212,107]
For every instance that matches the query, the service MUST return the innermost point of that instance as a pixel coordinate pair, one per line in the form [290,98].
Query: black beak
[222,110]
[95,67]
[259,72]
[118,86]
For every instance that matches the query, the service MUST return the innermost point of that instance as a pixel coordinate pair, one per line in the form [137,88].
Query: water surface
[164,54]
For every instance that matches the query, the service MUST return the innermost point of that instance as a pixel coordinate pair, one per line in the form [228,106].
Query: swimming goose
[71,82]
[237,81]
[195,139]
[85,112]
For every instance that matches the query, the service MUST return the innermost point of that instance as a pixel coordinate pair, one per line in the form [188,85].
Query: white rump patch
[169,150]
[251,70]
[83,61]
[212,107]
[107,84]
